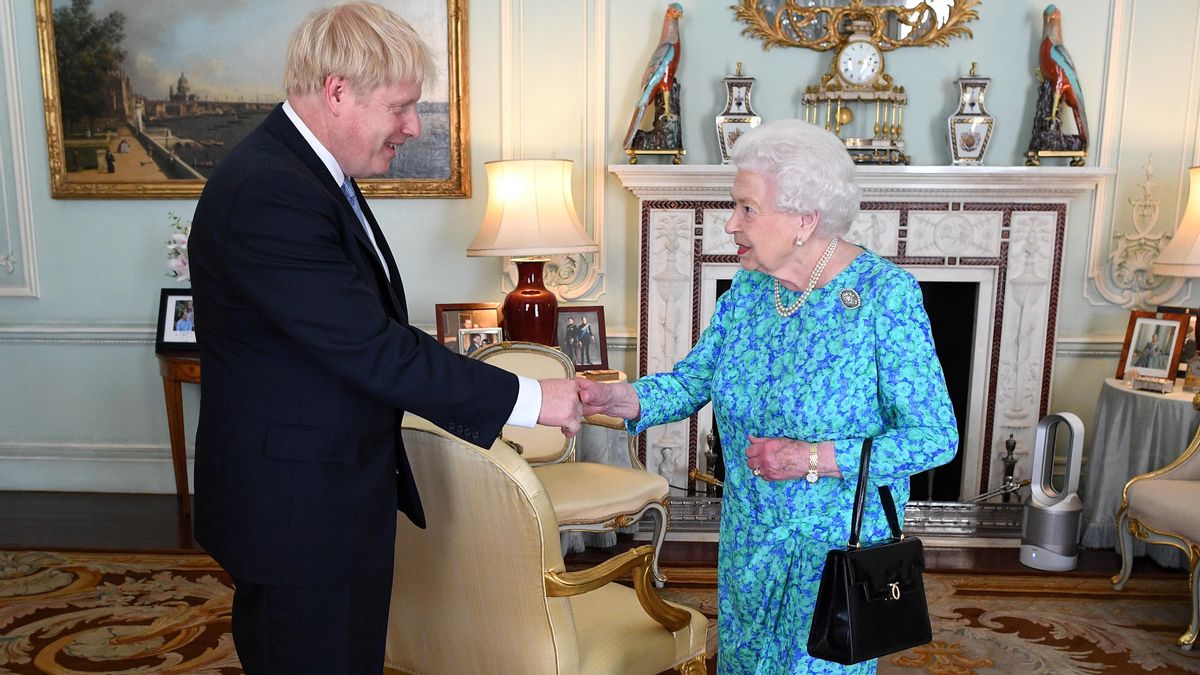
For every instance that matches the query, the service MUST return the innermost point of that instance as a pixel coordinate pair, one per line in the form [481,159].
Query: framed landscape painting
[145,99]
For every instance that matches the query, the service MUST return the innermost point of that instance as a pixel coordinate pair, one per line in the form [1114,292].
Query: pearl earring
[799,241]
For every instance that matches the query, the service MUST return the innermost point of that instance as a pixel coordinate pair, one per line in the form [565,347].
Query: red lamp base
[531,311]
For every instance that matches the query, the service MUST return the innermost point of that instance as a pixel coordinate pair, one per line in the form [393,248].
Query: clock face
[859,63]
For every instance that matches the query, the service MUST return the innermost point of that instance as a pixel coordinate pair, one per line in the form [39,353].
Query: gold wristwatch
[812,463]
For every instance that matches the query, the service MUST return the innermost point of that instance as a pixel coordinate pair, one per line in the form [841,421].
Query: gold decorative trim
[457,185]
[773,33]
[1182,459]
[1151,535]
[638,561]
[693,666]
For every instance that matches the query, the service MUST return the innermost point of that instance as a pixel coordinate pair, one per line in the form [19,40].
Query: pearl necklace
[786,312]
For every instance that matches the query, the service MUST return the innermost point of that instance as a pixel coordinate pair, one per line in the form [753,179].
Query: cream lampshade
[530,215]
[1181,258]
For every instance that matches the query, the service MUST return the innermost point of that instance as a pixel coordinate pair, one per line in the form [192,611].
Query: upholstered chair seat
[483,589]
[1161,507]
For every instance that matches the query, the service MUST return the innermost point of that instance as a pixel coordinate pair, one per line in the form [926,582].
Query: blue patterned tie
[348,190]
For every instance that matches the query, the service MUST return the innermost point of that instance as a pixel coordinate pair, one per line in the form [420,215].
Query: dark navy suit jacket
[309,364]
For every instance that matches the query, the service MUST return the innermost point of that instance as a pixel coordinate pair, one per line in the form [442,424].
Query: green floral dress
[832,371]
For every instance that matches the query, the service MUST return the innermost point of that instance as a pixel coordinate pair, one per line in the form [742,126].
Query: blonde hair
[365,43]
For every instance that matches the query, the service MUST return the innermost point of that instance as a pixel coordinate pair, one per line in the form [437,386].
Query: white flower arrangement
[177,256]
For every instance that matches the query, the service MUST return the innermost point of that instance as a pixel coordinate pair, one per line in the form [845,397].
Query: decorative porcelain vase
[970,126]
[738,117]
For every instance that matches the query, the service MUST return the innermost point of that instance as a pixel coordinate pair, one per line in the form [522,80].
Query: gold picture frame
[89,165]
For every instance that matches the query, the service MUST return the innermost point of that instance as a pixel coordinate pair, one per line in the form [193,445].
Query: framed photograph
[581,336]
[471,340]
[176,322]
[1153,342]
[1189,340]
[145,99]
[454,318]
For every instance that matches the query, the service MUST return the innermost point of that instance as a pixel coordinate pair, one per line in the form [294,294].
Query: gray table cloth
[1135,432]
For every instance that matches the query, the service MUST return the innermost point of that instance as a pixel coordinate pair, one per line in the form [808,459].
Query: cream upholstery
[475,591]
[1161,507]
[586,496]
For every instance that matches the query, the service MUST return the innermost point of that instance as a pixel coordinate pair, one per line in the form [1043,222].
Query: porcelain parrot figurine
[660,71]
[1055,66]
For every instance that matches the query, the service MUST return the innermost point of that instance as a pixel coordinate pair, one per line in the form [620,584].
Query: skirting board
[97,467]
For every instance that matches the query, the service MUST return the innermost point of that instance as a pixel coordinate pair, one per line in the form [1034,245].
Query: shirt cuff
[529,403]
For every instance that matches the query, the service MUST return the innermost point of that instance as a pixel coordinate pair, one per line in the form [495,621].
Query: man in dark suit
[310,362]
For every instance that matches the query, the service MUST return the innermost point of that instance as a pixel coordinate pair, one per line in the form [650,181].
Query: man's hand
[618,399]
[560,406]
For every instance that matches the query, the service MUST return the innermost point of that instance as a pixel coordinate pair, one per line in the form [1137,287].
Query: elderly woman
[816,346]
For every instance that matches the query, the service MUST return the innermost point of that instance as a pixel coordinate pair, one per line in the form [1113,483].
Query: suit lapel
[279,126]
[396,287]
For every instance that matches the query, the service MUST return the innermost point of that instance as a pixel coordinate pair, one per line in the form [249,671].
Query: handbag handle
[860,499]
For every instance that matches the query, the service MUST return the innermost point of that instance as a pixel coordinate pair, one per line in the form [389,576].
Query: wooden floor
[152,523]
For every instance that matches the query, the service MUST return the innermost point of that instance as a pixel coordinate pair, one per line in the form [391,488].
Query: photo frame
[453,318]
[1153,343]
[176,331]
[1189,341]
[152,111]
[471,340]
[587,351]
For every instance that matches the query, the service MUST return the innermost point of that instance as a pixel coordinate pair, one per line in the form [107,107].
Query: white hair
[809,167]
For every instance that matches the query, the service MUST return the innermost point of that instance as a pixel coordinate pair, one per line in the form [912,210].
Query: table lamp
[1181,258]
[530,215]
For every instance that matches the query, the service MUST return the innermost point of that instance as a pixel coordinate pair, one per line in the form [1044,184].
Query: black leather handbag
[872,599]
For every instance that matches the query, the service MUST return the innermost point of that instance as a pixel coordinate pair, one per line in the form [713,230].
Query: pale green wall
[80,397]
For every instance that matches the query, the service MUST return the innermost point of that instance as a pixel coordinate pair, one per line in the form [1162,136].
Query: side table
[1135,432]
[175,370]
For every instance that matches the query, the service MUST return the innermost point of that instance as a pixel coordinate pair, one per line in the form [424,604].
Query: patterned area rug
[985,624]
[141,613]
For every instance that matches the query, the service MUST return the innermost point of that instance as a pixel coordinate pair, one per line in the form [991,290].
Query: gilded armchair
[484,590]
[1160,507]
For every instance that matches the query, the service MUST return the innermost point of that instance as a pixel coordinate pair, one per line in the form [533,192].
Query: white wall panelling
[536,119]
[1144,130]
[18,264]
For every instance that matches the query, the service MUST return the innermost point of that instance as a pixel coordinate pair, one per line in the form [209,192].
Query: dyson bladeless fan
[1050,524]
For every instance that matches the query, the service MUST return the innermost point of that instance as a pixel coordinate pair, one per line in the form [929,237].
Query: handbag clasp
[895,586]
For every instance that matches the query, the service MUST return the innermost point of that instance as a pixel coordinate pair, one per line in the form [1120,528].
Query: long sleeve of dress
[919,429]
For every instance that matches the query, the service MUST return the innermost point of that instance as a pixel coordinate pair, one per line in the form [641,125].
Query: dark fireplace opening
[951,306]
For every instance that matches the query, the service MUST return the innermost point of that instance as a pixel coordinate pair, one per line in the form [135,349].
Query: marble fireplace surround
[1001,228]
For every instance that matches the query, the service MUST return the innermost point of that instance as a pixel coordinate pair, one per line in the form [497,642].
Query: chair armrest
[636,560]
[608,421]
[1180,463]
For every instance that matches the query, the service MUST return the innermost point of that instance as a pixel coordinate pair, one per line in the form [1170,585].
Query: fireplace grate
[943,519]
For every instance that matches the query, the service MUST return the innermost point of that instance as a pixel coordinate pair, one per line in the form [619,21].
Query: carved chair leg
[693,666]
[660,534]
[1125,542]
[1189,638]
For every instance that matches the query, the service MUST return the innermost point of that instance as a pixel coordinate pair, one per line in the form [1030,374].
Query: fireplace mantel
[1002,228]
[701,181]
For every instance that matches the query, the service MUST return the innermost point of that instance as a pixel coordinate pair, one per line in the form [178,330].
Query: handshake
[566,402]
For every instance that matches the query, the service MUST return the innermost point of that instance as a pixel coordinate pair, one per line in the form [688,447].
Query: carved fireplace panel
[1010,247]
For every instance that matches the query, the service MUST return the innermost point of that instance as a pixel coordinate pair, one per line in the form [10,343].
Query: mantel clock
[856,99]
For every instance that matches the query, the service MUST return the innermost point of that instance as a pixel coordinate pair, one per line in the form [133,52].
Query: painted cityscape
[164,91]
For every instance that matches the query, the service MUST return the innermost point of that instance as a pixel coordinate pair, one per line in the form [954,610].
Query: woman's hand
[787,459]
[618,399]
